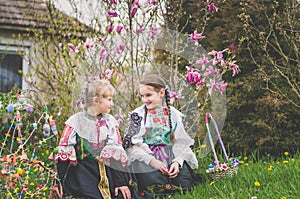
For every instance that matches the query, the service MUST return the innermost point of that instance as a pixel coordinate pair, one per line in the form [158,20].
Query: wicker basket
[219,172]
[230,172]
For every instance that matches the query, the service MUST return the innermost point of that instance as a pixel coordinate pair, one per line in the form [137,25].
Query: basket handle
[207,116]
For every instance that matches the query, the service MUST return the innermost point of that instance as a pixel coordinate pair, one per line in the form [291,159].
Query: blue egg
[10,108]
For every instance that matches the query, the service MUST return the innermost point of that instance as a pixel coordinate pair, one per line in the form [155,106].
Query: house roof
[19,15]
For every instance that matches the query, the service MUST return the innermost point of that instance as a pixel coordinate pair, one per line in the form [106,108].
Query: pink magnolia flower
[109,73]
[232,48]
[153,2]
[234,67]
[110,28]
[121,121]
[114,2]
[210,71]
[103,55]
[73,48]
[212,85]
[211,7]
[133,11]
[218,56]
[119,29]
[140,29]
[153,31]
[222,87]
[88,45]
[193,76]
[213,72]
[203,61]
[213,52]
[111,14]
[196,36]
[137,3]
[190,74]
[176,96]
[120,48]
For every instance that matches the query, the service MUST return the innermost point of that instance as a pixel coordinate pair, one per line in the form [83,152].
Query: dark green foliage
[257,117]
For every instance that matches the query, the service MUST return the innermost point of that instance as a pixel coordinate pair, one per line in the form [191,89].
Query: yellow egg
[20,171]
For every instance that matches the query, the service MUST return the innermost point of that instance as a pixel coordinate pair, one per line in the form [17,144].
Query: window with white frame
[11,64]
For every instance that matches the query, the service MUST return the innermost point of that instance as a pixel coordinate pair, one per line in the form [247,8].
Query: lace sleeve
[66,150]
[113,149]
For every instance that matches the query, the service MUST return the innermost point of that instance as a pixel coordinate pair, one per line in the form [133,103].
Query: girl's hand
[159,165]
[124,190]
[174,170]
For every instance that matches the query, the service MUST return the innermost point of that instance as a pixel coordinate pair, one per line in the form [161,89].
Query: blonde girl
[91,160]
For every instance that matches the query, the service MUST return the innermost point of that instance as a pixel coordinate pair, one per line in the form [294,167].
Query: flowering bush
[212,68]
[214,167]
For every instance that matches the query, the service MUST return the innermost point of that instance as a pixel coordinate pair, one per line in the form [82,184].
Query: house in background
[17,17]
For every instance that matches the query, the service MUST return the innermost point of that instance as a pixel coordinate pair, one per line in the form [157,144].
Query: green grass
[264,178]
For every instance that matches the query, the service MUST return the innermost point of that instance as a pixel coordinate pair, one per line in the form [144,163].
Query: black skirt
[152,183]
[82,180]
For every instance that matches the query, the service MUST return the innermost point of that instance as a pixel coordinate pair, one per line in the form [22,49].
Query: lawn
[267,177]
[257,178]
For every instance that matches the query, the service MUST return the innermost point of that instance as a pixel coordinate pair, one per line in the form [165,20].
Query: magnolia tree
[130,38]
